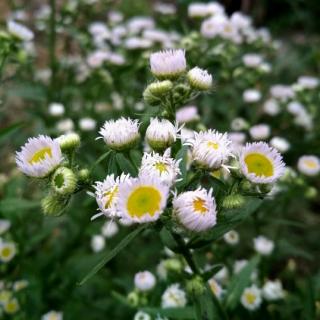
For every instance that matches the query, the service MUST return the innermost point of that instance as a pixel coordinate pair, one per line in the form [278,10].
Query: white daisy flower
[263,245]
[168,63]
[240,21]
[281,92]
[20,31]
[141,315]
[52,315]
[144,281]
[173,297]
[106,194]
[260,131]
[65,125]
[161,134]
[56,109]
[39,156]
[215,288]
[251,95]
[198,10]
[120,134]
[142,199]
[231,237]
[187,114]
[195,210]
[261,163]
[296,108]
[7,251]
[98,243]
[251,298]
[109,229]
[309,165]
[162,167]
[308,82]
[252,60]
[271,107]
[87,124]
[238,124]
[210,149]
[281,144]
[199,79]
[273,290]
[11,306]
[4,225]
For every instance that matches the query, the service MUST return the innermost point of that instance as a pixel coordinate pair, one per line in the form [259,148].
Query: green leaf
[309,301]
[7,131]
[168,240]
[239,282]
[100,159]
[185,313]
[14,205]
[120,298]
[212,271]
[111,254]
[125,165]
[228,221]
[182,154]
[112,164]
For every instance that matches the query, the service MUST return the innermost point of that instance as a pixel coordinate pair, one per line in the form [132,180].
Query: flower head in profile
[215,288]
[120,134]
[142,199]
[309,165]
[163,167]
[39,156]
[261,163]
[107,195]
[199,79]
[168,64]
[251,298]
[210,149]
[144,281]
[52,315]
[195,210]
[174,297]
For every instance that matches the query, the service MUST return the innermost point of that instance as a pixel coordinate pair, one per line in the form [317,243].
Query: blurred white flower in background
[98,243]
[144,281]
[251,95]
[251,298]
[173,297]
[309,165]
[263,245]
[56,109]
[272,290]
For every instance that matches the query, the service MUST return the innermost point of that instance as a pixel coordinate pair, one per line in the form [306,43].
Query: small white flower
[210,149]
[120,134]
[52,315]
[107,195]
[11,306]
[295,108]
[281,92]
[4,226]
[231,237]
[87,124]
[263,245]
[309,165]
[195,210]
[168,63]
[252,60]
[98,243]
[20,285]
[39,156]
[214,26]
[260,132]
[281,144]
[251,95]
[142,199]
[56,109]
[141,315]
[65,125]
[271,107]
[161,134]
[137,24]
[163,167]
[173,297]
[198,10]
[240,21]
[165,8]
[215,288]
[144,281]
[260,163]
[7,251]
[187,114]
[199,79]
[239,265]
[238,138]
[134,43]
[238,124]
[308,82]
[272,290]
[109,229]
[251,298]
[20,31]
[222,275]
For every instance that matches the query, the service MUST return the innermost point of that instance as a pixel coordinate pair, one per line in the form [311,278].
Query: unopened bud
[195,286]
[233,201]
[160,88]
[69,141]
[64,181]
[53,205]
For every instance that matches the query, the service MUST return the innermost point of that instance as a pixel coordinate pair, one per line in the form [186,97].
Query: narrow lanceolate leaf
[182,155]
[100,159]
[7,131]
[111,254]
[125,165]
[227,221]
[239,282]
[185,313]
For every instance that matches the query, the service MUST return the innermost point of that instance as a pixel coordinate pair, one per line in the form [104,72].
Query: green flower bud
[265,188]
[233,201]
[195,286]
[173,264]
[160,88]
[69,142]
[311,193]
[64,181]
[133,298]
[53,205]
[84,175]
[150,98]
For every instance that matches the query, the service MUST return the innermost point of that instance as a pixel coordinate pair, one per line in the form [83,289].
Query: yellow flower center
[199,205]
[212,144]
[214,287]
[144,200]
[6,252]
[161,167]
[41,155]
[109,195]
[216,173]
[250,297]
[12,306]
[259,164]
[311,164]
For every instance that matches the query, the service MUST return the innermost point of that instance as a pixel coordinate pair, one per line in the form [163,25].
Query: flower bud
[64,181]
[173,264]
[133,298]
[84,175]
[199,79]
[160,88]
[53,205]
[311,193]
[233,201]
[150,98]
[195,286]
[69,142]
